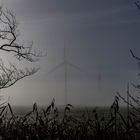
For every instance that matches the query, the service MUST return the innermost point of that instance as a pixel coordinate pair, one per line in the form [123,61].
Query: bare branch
[9,38]
[9,42]
[138,6]
[137,58]
[130,104]
[9,76]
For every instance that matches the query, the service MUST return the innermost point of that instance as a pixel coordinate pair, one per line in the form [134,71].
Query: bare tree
[9,42]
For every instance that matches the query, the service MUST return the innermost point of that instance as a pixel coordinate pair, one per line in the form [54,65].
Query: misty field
[68,123]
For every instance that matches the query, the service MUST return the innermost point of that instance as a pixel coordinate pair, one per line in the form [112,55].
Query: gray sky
[98,36]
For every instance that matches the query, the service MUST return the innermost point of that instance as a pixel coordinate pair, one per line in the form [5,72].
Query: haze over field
[97,34]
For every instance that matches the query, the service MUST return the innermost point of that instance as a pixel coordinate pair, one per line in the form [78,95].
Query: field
[68,123]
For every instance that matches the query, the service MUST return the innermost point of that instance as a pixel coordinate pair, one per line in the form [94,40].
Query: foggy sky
[98,36]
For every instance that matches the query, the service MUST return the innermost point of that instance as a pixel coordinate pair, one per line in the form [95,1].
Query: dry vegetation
[50,124]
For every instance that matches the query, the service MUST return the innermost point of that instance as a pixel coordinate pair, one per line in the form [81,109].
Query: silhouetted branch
[9,76]
[125,101]
[138,6]
[9,37]
[137,58]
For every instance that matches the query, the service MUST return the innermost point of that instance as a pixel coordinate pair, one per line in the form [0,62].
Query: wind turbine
[99,79]
[65,64]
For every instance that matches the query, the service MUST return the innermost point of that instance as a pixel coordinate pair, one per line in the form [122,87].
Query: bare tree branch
[9,38]
[137,58]
[9,76]
[138,6]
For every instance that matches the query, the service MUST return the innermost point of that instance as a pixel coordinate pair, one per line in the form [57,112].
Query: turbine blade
[55,68]
[74,66]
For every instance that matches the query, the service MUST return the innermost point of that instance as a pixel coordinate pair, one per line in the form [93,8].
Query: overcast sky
[97,34]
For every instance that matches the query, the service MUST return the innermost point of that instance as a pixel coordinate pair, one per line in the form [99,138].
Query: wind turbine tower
[65,64]
[99,79]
